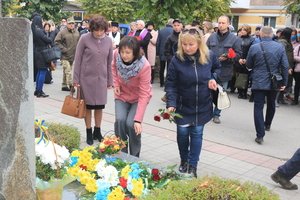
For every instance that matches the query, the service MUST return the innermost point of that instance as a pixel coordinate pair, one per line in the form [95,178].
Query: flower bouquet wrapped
[113,178]
[110,145]
[230,54]
[51,163]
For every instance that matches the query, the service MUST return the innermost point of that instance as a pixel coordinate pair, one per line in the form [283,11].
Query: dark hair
[286,34]
[195,23]
[47,24]
[98,23]
[131,43]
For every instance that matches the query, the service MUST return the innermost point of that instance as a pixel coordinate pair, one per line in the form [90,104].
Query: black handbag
[241,81]
[276,79]
[51,54]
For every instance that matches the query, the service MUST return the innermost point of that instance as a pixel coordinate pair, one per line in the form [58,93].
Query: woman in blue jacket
[191,77]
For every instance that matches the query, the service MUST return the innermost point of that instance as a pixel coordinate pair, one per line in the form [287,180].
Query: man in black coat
[163,35]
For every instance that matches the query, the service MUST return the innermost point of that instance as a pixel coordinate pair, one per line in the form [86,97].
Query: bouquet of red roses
[165,114]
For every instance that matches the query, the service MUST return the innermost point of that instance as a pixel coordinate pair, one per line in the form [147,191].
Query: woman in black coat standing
[40,42]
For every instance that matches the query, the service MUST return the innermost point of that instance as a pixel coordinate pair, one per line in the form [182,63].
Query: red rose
[123,182]
[157,118]
[127,198]
[231,53]
[155,174]
[166,115]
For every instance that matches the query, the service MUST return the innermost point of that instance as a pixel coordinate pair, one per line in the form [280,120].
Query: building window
[234,21]
[78,16]
[270,21]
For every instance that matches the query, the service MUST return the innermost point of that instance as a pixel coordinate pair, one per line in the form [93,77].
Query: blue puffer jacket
[277,60]
[187,88]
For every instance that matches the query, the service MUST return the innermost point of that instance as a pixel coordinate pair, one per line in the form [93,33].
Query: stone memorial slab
[17,153]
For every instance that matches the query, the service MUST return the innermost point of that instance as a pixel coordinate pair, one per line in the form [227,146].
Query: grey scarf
[128,71]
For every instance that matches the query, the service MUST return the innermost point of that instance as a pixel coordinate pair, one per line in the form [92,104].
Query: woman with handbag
[132,87]
[192,75]
[92,73]
[40,42]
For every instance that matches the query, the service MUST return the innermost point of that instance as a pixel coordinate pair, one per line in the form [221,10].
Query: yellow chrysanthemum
[116,194]
[125,171]
[138,187]
[116,147]
[74,171]
[91,186]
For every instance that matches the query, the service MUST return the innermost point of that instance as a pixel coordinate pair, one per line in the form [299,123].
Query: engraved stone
[17,153]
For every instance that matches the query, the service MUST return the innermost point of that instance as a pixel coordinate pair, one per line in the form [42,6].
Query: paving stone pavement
[228,149]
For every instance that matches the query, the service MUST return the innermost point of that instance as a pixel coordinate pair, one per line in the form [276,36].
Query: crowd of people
[193,60]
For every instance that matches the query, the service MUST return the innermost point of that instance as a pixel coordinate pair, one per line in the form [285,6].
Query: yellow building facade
[260,13]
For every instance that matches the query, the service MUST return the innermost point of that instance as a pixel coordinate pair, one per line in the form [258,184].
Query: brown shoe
[284,182]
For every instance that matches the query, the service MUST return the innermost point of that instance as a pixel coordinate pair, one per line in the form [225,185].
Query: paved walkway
[228,150]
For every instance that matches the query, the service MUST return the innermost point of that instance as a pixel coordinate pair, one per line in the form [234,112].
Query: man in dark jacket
[162,37]
[220,42]
[261,56]
[143,35]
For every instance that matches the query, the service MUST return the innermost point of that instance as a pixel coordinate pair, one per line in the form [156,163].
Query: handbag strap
[265,58]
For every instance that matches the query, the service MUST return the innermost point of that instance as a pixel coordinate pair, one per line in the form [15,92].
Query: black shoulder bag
[276,79]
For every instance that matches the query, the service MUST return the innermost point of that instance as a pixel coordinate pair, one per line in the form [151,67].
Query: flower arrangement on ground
[51,162]
[110,145]
[110,178]
[166,115]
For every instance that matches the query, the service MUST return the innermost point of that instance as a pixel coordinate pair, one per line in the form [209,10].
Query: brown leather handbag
[74,107]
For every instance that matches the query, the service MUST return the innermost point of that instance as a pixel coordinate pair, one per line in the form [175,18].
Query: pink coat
[152,48]
[92,68]
[136,89]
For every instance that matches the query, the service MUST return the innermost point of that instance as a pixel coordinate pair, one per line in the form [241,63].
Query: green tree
[160,10]
[118,10]
[49,9]
[292,6]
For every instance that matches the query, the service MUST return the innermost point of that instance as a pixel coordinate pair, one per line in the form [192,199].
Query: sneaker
[183,167]
[216,120]
[259,140]
[193,171]
[285,183]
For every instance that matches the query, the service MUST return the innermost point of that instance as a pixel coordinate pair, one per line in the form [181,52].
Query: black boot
[97,134]
[193,171]
[283,181]
[89,136]
[183,167]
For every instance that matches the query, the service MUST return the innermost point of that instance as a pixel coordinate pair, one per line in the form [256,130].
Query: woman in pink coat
[132,87]
[152,48]
[92,72]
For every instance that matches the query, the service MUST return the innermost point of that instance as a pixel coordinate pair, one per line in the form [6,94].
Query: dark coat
[171,45]
[276,58]
[163,35]
[220,44]
[187,89]
[144,43]
[247,41]
[40,42]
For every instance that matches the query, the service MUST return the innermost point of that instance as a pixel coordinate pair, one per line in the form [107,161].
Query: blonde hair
[203,49]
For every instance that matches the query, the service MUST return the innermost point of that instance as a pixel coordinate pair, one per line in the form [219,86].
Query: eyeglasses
[191,31]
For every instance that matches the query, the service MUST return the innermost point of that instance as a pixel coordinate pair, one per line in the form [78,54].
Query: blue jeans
[292,167]
[217,112]
[259,100]
[40,79]
[189,140]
